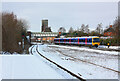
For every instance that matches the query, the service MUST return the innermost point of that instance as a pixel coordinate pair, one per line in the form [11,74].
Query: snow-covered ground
[111,47]
[29,67]
[86,49]
[8,53]
[85,63]
[88,63]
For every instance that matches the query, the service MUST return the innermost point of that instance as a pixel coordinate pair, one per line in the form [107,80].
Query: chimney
[110,26]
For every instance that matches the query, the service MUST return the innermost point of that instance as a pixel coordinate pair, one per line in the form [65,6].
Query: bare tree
[116,26]
[99,28]
[71,30]
[86,29]
[11,32]
[82,28]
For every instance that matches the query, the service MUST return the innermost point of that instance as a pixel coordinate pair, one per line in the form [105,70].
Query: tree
[11,32]
[94,33]
[86,29]
[71,30]
[62,30]
[82,29]
[116,26]
[99,29]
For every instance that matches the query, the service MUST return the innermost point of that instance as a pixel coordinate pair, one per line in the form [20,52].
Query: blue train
[87,41]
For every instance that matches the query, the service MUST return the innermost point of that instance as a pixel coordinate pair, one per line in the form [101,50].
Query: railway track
[59,66]
[104,49]
[31,49]
[88,62]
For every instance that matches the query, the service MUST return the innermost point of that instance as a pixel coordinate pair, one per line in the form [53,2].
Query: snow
[0,68]
[87,70]
[87,49]
[8,53]
[111,47]
[29,67]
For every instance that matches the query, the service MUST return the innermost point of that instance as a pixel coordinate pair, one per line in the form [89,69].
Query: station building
[47,37]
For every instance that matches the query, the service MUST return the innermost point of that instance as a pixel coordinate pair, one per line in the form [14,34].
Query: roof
[110,29]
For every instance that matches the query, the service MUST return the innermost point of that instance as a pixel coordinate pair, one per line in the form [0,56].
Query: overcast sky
[64,14]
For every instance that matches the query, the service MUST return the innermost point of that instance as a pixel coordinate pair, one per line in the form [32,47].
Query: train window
[96,40]
[83,40]
[76,40]
[80,40]
[71,40]
[64,40]
[89,40]
[67,40]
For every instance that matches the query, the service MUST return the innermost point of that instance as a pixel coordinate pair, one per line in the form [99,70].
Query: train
[91,41]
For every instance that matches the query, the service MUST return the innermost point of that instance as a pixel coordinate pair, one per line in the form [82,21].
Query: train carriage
[88,41]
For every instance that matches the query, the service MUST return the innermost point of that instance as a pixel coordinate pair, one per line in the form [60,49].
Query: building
[109,32]
[45,27]
[48,29]
[43,36]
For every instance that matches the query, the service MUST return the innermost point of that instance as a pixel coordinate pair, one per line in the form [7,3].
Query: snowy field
[85,62]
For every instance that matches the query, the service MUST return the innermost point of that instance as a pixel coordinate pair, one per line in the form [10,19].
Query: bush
[113,41]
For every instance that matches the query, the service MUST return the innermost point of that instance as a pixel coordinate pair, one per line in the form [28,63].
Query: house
[109,31]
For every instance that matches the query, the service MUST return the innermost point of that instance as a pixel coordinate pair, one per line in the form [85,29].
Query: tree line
[12,29]
[84,30]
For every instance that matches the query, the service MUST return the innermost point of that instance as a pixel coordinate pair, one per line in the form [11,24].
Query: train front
[95,41]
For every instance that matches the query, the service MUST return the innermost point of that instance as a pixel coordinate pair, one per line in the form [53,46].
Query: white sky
[64,14]
[59,0]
